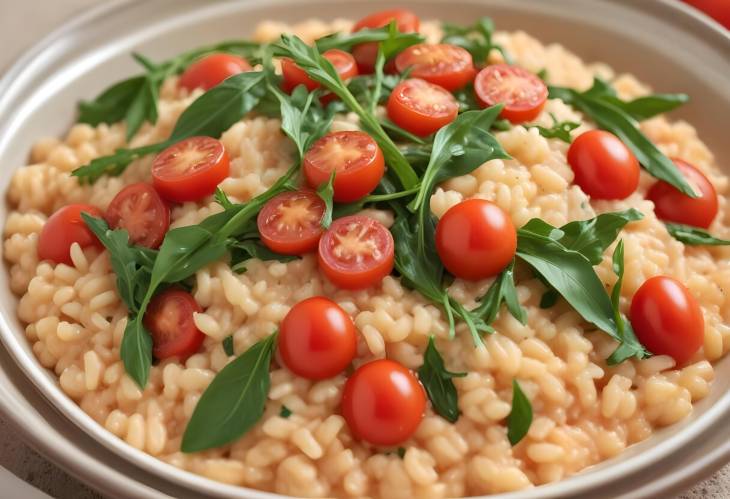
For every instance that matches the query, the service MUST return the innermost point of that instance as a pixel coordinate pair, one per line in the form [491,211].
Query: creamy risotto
[575,408]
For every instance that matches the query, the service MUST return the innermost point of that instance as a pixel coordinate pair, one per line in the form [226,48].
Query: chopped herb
[694,236]
[559,130]
[285,412]
[438,383]
[228,345]
[520,417]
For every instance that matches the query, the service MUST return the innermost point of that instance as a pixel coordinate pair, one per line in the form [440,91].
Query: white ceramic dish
[660,41]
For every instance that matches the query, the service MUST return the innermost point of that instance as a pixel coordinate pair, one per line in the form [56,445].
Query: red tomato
[667,319]
[190,169]
[355,158]
[717,9]
[603,166]
[674,206]
[442,64]
[475,239]
[522,93]
[317,339]
[356,252]
[211,70]
[140,210]
[421,107]
[169,319]
[366,53]
[290,223]
[64,228]
[383,403]
[294,76]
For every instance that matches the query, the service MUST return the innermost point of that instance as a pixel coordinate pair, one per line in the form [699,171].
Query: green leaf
[591,237]
[112,104]
[233,402]
[477,39]
[643,108]
[345,41]
[285,412]
[694,236]
[136,351]
[222,199]
[228,345]
[502,290]
[560,130]
[142,108]
[520,417]
[549,298]
[437,381]
[326,192]
[242,251]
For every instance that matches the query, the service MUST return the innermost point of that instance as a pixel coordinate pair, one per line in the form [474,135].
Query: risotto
[206,311]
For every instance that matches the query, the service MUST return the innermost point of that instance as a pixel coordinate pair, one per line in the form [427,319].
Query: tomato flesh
[383,403]
[141,212]
[420,107]
[190,169]
[64,228]
[317,339]
[667,319]
[366,53]
[356,252]
[448,66]
[294,76]
[290,223]
[211,70]
[522,94]
[169,319]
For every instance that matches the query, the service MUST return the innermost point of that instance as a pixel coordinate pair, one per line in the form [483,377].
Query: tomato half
[290,223]
[356,252]
[355,158]
[190,169]
[603,166]
[667,319]
[674,206]
[448,66]
[366,53]
[211,70]
[317,339]
[421,107]
[294,76]
[169,319]
[475,239]
[383,403]
[140,210]
[522,93]
[64,228]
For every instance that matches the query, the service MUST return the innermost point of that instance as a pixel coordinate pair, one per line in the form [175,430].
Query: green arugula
[477,39]
[559,130]
[345,41]
[520,417]
[437,381]
[285,412]
[694,236]
[326,193]
[549,298]
[243,250]
[502,290]
[228,345]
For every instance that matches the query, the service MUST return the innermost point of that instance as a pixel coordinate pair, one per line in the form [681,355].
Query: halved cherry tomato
[290,223]
[140,210]
[366,53]
[294,76]
[667,319]
[169,319]
[421,107]
[448,66]
[383,403]
[674,206]
[190,169]
[64,228]
[317,339]
[475,239]
[603,166]
[522,93]
[211,70]
[356,252]
[355,158]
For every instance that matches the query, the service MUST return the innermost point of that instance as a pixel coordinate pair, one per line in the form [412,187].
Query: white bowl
[661,42]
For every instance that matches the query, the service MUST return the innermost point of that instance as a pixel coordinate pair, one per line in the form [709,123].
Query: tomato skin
[603,166]
[169,319]
[475,239]
[141,212]
[317,339]
[294,76]
[383,403]
[445,65]
[274,221]
[674,206]
[64,228]
[190,169]
[356,158]
[420,107]
[367,268]
[522,93]
[366,53]
[667,319]
[211,70]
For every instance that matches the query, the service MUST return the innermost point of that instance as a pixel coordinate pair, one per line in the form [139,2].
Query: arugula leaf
[643,108]
[112,104]
[222,199]
[345,41]
[136,350]
[437,381]
[466,97]
[228,345]
[549,298]
[502,290]
[477,39]
[591,237]
[520,417]
[694,235]
[560,129]
[285,412]
[233,402]
[242,251]
[326,192]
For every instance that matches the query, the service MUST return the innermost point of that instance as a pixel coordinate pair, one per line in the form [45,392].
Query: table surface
[15,455]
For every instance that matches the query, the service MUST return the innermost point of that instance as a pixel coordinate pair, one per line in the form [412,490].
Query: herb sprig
[694,236]
[438,382]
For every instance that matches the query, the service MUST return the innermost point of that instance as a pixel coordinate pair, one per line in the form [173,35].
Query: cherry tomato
[674,206]
[317,339]
[421,107]
[355,158]
[603,166]
[356,252]
[667,319]
[383,403]
[64,228]
[717,9]
[475,239]
[448,66]
[211,70]
[294,76]
[290,223]
[522,93]
[169,319]
[140,210]
[366,53]
[190,169]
